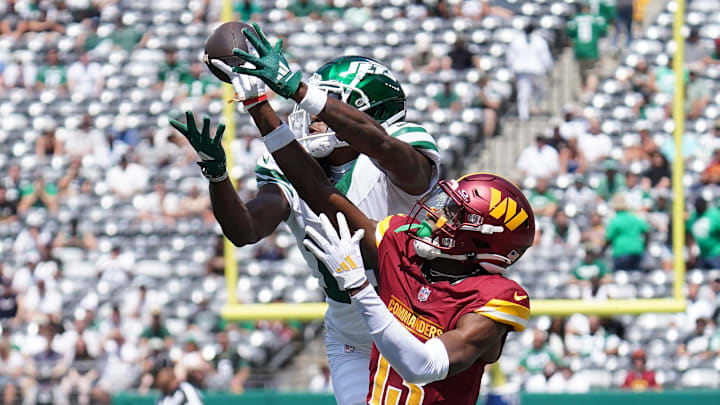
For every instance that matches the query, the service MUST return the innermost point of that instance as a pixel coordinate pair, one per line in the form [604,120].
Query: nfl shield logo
[424,294]
[349,349]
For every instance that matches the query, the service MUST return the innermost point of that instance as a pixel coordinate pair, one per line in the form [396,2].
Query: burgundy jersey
[428,310]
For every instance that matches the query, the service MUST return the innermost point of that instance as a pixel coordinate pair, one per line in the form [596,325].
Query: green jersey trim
[414,135]
[343,185]
[407,129]
[424,145]
[407,227]
[273,176]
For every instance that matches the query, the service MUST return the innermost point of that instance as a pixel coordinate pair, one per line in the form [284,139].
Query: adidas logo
[346,265]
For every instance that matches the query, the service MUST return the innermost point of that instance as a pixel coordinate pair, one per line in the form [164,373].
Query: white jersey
[369,188]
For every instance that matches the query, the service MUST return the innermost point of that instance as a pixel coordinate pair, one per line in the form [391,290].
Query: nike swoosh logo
[519,297]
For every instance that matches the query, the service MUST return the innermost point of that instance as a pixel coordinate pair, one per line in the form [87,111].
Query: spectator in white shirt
[20,73]
[136,303]
[530,59]
[41,301]
[573,123]
[490,100]
[594,144]
[47,268]
[24,277]
[30,239]
[580,195]
[565,381]
[85,77]
[87,140]
[127,178]
[160,204]
[121,368]
[321,382]
[539,160]
[114,268]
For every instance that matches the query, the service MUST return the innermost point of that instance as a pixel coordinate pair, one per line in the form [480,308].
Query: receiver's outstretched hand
[339,252]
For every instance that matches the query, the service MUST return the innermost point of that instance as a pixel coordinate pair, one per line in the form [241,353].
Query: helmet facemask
[320,145]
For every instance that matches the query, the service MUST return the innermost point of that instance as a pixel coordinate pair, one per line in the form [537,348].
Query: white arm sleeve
[416,362]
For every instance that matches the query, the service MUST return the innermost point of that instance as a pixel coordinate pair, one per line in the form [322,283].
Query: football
[220,45]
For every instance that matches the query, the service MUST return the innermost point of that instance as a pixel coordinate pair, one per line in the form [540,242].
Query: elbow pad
[415,361]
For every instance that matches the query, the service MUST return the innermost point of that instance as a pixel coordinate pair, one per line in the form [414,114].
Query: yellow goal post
[553,307]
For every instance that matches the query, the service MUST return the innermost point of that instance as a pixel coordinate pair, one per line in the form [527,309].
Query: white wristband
[279,138]
[314,101]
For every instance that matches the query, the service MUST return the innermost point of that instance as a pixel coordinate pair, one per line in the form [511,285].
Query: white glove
[248,89]
[339,253]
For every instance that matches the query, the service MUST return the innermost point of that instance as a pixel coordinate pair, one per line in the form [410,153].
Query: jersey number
[381,388]
[585,31]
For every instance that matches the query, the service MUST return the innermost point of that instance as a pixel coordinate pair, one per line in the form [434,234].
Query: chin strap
[492,268]
[429,252]
[398,116]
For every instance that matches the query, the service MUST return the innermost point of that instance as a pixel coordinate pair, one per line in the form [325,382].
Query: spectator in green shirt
[173,70]
[636,194]
[53,74]
[542,199]
[331,11]
[537,358]
[714,58]
[199,84]
[591,274]
[612,183]
[304,8]
[247,10]
[446,98]
[591,267]
[156,329]
[38,194]
[628,235]
[606,9]
[358,14]
[697,95]
[703,228]
[586,30]
[231,369]
[665,77]
[128,38]
[89,38]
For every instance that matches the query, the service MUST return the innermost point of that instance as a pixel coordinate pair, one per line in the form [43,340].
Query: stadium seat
[701,378]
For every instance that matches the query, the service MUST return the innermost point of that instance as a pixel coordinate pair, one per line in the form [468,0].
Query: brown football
[220,45]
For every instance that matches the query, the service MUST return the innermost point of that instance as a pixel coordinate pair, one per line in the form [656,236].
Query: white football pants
[349,371]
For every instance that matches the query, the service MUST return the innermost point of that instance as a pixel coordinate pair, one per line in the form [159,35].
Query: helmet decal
[364,67]
[506,207]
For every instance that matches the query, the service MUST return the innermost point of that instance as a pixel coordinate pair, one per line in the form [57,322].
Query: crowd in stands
[111,269]
[599,179]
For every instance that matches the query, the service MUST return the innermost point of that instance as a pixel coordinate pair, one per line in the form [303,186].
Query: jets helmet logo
[361,68]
